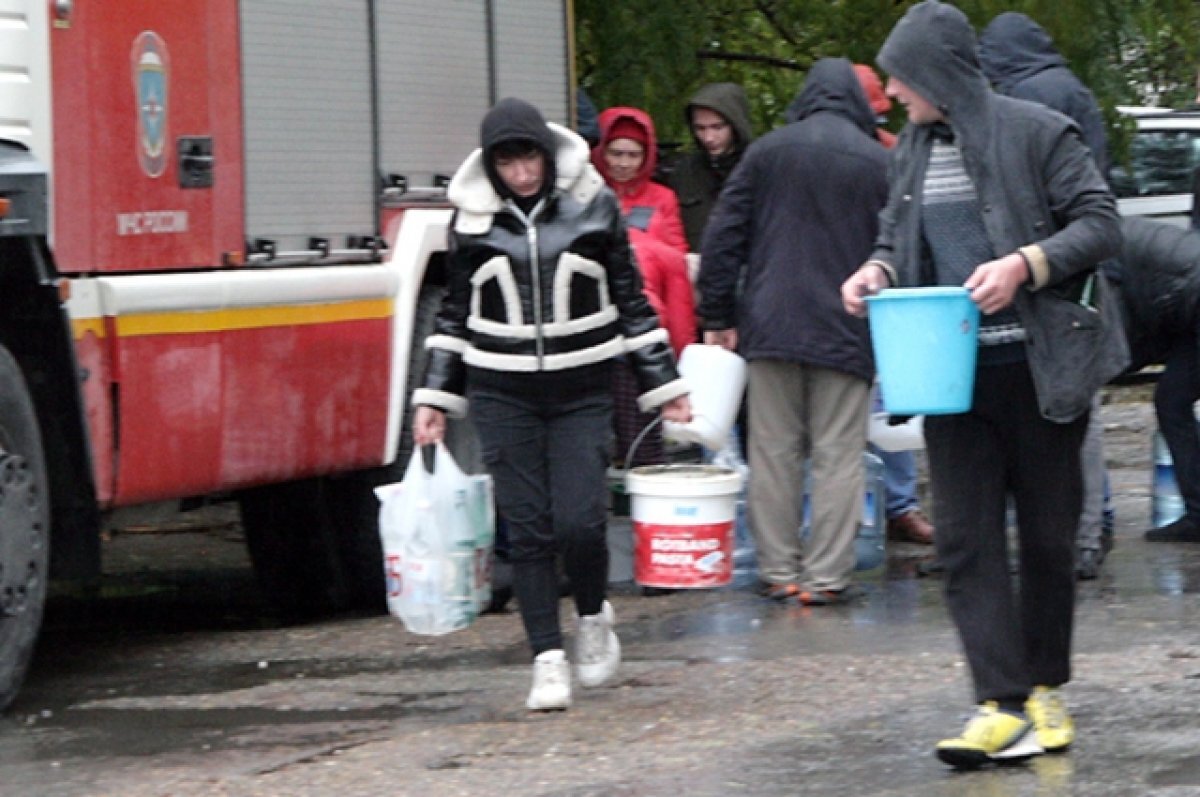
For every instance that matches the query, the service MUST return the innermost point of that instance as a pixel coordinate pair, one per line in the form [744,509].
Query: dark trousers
[548,460]
[1016,633]
[1178,389]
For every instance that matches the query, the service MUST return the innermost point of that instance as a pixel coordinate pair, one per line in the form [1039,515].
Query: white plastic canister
[717,379]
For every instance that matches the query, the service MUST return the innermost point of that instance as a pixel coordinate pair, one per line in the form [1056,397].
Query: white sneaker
[597,649]
[551,682]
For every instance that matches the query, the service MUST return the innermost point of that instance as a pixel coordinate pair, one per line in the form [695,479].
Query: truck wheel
[288,537]
[24,528]
[314,544]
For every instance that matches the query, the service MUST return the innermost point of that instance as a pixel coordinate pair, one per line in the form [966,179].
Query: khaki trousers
[798,412]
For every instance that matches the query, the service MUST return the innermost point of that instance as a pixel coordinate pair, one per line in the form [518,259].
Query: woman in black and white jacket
[542,294]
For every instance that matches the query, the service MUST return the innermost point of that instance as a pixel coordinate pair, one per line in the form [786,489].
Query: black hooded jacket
[799,215]
[1019,58]
[698,177]
[1159,271]
[548,294]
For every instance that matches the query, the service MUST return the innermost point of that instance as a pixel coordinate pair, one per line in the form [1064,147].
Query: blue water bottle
[869,545]
[1166,504]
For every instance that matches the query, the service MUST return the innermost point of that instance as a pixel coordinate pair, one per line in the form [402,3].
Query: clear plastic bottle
[1166,504]
[745,558]
[422,571]
[869,546]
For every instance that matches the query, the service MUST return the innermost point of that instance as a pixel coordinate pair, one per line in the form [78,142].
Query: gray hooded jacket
[1039,191]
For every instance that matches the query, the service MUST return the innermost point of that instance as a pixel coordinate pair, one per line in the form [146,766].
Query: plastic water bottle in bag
[421,575]
[437,528]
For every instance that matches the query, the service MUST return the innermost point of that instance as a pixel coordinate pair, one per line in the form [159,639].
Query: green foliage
[654,54]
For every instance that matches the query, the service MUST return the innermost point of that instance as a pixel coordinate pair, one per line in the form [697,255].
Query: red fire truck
[221,231]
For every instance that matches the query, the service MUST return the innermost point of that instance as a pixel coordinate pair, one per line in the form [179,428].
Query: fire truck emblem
[150,80]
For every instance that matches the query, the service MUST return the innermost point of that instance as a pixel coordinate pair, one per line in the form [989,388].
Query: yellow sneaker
[991,735]
[1054,726]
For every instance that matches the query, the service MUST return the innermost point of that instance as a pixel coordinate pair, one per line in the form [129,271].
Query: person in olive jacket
[542,294]
[718,117]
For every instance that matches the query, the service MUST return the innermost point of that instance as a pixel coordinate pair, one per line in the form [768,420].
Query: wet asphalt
[175,682]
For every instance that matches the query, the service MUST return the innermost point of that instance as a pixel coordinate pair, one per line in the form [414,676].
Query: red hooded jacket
[877,99]
[647,205]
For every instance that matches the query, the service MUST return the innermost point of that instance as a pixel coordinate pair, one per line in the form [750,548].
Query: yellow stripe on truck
[183,323]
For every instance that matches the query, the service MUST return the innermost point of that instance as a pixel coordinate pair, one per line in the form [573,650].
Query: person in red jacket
[626,157]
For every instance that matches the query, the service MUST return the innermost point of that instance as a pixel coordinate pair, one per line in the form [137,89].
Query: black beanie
[516,120]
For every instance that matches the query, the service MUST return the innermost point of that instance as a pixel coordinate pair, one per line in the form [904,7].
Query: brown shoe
[912,526]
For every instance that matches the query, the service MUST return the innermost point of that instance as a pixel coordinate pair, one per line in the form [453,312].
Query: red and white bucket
[683,524]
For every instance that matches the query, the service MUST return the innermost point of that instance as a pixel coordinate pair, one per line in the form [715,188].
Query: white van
[1163,156]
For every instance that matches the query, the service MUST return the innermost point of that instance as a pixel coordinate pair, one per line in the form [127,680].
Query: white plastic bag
[437,530]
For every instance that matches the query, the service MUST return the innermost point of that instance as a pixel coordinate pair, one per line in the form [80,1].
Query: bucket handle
[637,441]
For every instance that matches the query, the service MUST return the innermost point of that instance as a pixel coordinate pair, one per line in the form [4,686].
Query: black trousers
[1178,389]
[548,459]
[1015,632]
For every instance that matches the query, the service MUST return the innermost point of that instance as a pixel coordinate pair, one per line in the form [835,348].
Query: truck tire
[288,538]
[24,528]
[314,544]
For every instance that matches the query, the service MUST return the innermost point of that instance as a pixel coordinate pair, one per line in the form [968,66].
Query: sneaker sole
[563,706]
[1023,749]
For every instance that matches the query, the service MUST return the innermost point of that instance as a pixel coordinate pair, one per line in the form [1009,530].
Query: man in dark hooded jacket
[719,118]
[1019,58]
[798,214]
[1001,196]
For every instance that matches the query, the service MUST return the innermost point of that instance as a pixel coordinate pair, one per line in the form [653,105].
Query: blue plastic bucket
[925,342]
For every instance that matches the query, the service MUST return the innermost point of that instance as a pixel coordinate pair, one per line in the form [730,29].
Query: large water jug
[869,547]
[1166,504]
[745,555]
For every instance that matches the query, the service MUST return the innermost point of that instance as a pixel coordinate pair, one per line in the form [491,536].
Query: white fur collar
[477,201]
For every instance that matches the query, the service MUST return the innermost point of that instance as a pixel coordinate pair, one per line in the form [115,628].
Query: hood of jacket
[1013,48]
[932,50]
[729,100]
[868,78]
[474,195]
[831,85]
[621,118]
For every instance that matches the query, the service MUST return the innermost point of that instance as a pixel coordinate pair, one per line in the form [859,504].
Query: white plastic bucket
[683,524]
[717,379]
